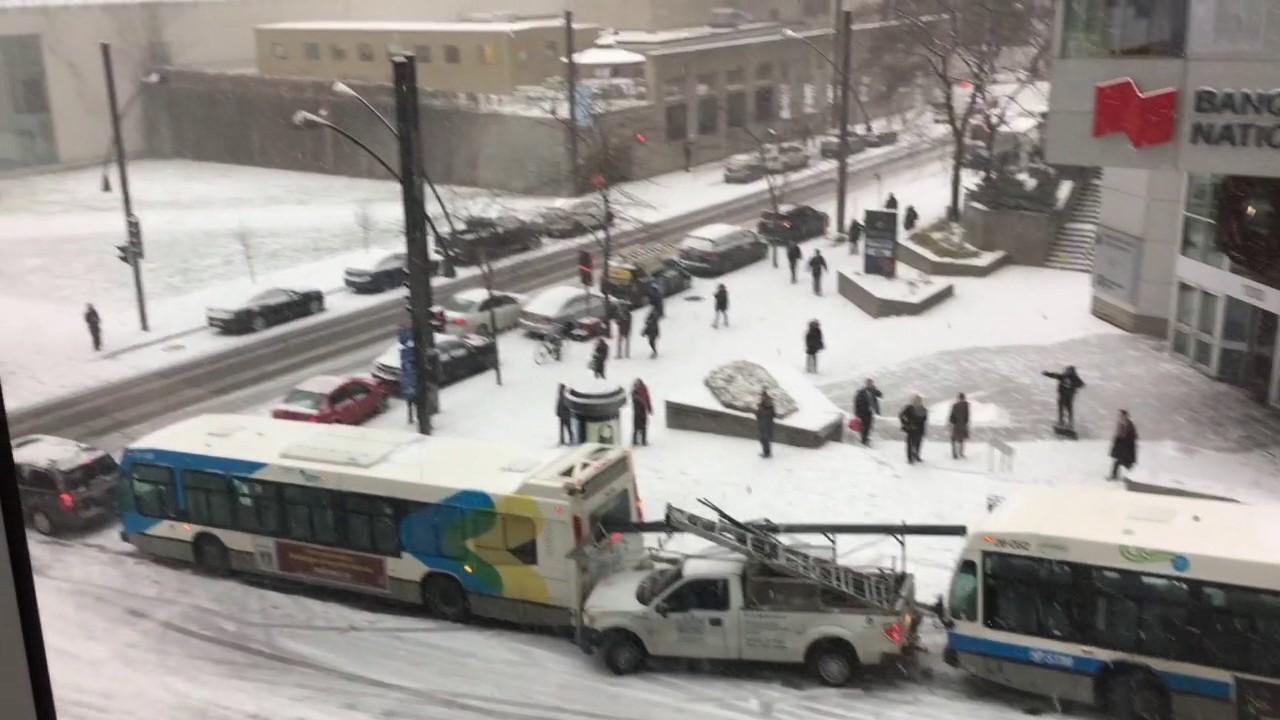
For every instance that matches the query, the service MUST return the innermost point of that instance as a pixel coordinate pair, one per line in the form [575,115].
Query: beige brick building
[463,57]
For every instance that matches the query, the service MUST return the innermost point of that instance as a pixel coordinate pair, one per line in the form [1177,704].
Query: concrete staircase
[1072,249]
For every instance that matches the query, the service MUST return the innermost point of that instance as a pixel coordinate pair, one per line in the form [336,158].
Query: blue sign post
[584,106]
[408,365]
[880,242]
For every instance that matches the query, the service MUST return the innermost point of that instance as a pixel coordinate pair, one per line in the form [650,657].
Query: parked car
[334,400]
[719,248]
[576,217]
[744,168]
[467,312]
[499,237]
[785,157]
[461,356]
[632,272]
[264,309]
[63,484]
[562,305]
[830,146]
[881,139]
[792,222]
[385,272]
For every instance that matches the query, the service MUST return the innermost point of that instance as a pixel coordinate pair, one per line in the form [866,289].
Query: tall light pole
[131,252]
[571,85]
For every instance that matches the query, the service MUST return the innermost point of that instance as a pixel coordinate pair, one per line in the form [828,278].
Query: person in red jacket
[641,409]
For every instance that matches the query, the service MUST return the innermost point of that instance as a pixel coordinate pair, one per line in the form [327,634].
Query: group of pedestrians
[817,265]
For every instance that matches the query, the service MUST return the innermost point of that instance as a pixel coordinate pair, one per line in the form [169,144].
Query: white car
[785,157]
[467,312]
[560,306]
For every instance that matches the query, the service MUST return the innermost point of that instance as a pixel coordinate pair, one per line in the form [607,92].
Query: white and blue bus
[463,527]
[1148,606]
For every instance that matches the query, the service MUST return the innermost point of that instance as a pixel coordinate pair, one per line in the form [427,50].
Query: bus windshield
[614,513]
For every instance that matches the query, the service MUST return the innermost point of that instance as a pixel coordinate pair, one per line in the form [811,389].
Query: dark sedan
[460,357]
[792,222]
[498,237]
[386,272]
[264,309]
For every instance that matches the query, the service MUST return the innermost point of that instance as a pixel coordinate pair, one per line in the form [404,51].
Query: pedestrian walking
[909,218]
[958,419]
[1069,383]
[855,232]
[817,266]
[866,406]
[599,356]
[793,258]
[806,132]
[688,156]
[891,203]
[915,419]
[651,331]
[656,298]
[722,306]
[1124,446]
[624,333]
[812,346]
[641,409]
[94,323]
[765,415]
[564,415]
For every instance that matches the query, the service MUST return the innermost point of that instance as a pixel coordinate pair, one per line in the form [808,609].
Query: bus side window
[964,592]
[154,491]
[257,506]
[208,498]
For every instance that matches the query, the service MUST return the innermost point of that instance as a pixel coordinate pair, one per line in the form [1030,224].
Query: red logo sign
[1146,119]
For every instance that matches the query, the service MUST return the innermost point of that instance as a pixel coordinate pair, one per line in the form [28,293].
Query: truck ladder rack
[873,589]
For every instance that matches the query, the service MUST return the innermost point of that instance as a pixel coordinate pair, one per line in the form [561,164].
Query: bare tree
[245,240]
[365,223]
[968,46]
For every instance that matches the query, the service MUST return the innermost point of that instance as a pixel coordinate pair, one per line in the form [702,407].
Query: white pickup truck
[729,608]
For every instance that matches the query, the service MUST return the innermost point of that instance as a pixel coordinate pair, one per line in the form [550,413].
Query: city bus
[1148,606]
[464,528]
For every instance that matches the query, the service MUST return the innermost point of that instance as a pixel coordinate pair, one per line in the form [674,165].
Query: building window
[736,110]
[279,51]
[735,77]
[311,51]
[452,55]
[1238,27]
[1109,28]
[706,84]
[1196,325]
[422,53]
[1200,240]
[1208,316]
[677,122]
[365,52]
[708,115]
[764,71]
[815,8]
[766,109]
[551,48]
[486,54]
[337,53]
[673,89]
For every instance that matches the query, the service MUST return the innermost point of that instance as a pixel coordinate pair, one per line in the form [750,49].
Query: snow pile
[737,386]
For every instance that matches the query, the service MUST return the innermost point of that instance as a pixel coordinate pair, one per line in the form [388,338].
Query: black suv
[64,484]
[792,222]
[500,237]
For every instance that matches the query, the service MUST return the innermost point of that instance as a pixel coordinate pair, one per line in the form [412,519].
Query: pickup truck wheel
[833,663]
[623,653]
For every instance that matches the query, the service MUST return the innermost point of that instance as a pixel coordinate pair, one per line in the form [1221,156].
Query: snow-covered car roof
[60,452]
[323,384]
[554,298]
[477,294]
[714,231]
[373,262]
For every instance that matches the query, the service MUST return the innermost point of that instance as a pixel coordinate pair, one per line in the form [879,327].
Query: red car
[330,399]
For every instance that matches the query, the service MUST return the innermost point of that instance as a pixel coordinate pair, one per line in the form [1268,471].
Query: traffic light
[585,268]
[125,255]
[642,138]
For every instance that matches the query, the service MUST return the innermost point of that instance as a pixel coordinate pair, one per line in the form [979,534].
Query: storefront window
[1231,365]
[1208,313]
[1204,353]
[1109,28]
[1199,241]
[1235,320]
[1181,343]
[1202,194]
[1186,304]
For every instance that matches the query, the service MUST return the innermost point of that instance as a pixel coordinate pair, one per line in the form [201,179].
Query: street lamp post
[131,252]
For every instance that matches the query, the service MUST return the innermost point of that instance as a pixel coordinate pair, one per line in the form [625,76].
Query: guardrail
[98,411]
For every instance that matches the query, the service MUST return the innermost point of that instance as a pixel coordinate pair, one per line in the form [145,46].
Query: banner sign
[329,565]
[880,243]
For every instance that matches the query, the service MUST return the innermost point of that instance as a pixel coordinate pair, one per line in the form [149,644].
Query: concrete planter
[1025,236]
[681,416]
[861,292]
[926,262]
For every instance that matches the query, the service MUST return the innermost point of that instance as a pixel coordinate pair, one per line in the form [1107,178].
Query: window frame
[452,55]
[170,499]
[1087,30]
[195,483]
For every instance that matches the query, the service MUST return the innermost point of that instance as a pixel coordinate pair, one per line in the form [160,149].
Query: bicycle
[547,351]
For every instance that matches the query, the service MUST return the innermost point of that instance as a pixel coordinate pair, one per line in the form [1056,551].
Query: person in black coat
[1069,383]
[812,346]
[766,413]
[855,233]
[866,406]
[565,415]
[958,419]
[793,258]
[94,323]
[599,356]
[891,203]
[909,218]
[817,266]
[915,419]
[650,331]
[656,298]
[624,332]
[1124,445]
[722,306]
[641,409]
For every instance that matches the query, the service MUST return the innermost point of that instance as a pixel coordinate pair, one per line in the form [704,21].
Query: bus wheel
[446,598]
[1136,695]
[623,653]
[212,556]
[833,663]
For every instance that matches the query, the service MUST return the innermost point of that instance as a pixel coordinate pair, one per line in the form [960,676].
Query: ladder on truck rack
[872,588]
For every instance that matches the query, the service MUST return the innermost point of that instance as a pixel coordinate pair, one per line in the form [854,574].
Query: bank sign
[1219,117]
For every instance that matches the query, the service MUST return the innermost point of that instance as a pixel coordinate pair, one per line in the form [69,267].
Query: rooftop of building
[692,35]
[416,26]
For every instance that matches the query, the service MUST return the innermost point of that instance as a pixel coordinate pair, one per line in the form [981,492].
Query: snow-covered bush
[737,386]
